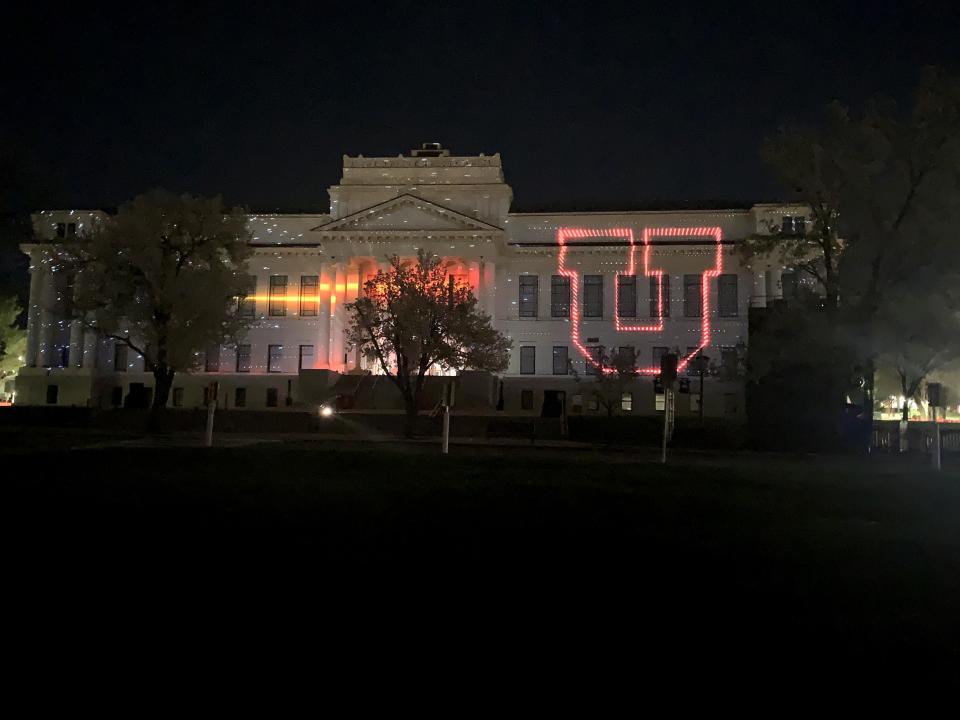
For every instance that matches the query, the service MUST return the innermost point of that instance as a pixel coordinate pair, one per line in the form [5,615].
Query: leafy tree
[13,339]
[416,316]
[810,161]
[618,370]
[162,277]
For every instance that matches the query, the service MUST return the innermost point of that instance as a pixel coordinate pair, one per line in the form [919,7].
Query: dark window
[272,395]
[274,358]
[528,360]
[655,282]
[696,359]
[71,229]
[178,397]
[561,360]
[309,294]
[278,295]
[61,230]
[658,353]
[727,295]
[64,353]
[594,364]
[729,360]
[240,397]
[212,360]
[559,296]
[692,296]
[626,356]
[207,394]
[119,357]
[116,396]
[793,225]
[306,357]
[529,287]
[526,399]
[247,303]
[243,358]
[788,284]
[593,296]
[53,393]
[627,295]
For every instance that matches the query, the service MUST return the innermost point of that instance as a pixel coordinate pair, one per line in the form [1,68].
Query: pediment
[407,213]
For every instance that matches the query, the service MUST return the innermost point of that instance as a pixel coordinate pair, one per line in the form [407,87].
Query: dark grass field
[781,557]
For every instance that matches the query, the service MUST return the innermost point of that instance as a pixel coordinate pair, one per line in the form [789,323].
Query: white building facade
[564,287]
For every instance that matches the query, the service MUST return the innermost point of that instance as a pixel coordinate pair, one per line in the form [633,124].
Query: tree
[13,339]
[616,372]
[416,316]
[811,161]
[163,277]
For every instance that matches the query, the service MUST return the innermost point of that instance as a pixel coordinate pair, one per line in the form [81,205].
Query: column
[89,359]
[337,318]
[76,344]
[48,319]
[33,310]
[322,354]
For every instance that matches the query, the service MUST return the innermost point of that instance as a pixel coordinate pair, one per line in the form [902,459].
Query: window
[788,283]
[626,356]
[178,397]
[278,295]
[692,297]
[627,295]
[559,296]
[116,396]
[528,360]
[274,358]
[526,399]
[593,404]
[309,294]
[595,354]
[306,357]
[64,354]
[729,360]
[593,296]
[529,286]
[61,230]
[626,402]
[658,353]
[53,394]
[243,358]
[656,283]
[272,397]
[561,360]
[793,225]
[730,405]
[119,357]
[71,229]
[240,397]
[212,360]
[246,303]
[727,295]
[696,360]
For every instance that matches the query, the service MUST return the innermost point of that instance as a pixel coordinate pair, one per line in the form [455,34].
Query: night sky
[589,103]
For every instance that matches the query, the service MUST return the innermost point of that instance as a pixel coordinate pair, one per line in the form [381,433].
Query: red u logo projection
[656,324]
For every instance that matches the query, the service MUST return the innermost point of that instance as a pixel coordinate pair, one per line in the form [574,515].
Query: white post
[211,408]
[446,429]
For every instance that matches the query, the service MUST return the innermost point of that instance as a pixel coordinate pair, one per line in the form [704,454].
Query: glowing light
[565,233]
[326,411]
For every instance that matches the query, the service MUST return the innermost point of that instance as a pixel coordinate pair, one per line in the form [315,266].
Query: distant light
[326,411]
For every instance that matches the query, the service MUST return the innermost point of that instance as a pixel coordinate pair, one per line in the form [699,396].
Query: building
[563,286]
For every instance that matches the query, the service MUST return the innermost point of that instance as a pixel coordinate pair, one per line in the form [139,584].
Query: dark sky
[587,101]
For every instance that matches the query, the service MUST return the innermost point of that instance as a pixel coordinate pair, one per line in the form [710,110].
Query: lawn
[801,555]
